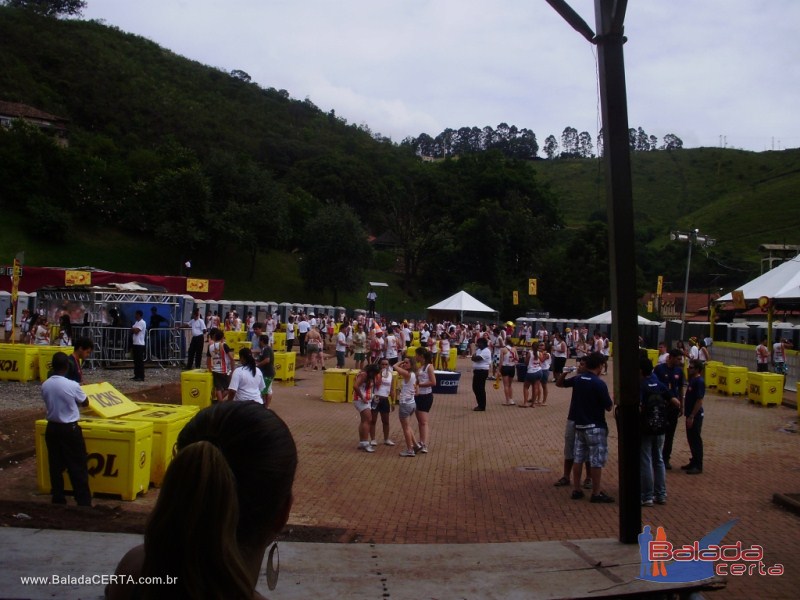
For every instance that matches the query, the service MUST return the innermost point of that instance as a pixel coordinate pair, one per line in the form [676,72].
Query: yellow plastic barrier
[197,388]
[284,365]
[351,380]
[711,373]
[765,388]
[46,354]
[19,362]
[119,456]
[334,385]
[732,380]
[653,356]
[279,342]
[167,421]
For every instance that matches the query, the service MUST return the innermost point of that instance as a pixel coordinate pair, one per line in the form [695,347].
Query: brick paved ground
[489,478]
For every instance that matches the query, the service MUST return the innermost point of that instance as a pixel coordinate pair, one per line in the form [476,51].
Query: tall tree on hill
[550,147]
[569,143]
[672,142]
[50,8]
[585,148]
[339,253]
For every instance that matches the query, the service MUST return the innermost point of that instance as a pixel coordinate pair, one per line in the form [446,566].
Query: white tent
[605,319]
[782,282]
[461,302]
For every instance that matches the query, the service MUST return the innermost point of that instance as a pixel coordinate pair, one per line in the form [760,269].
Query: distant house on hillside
[671,305]
[52,125]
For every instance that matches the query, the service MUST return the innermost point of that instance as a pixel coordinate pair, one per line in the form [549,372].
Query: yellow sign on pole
[649,306]
[532,287]
[515,296]
[17,268]
[660,285]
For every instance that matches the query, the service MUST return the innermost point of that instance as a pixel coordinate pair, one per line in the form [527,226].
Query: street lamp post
[692,237]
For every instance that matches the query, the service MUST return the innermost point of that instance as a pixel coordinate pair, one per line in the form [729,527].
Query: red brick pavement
[489,478]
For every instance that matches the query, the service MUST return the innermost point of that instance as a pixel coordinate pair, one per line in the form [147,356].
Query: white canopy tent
[605,319]
[780,283]
[460,303]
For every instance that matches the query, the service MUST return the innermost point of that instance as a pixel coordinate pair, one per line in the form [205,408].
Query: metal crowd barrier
[113,345]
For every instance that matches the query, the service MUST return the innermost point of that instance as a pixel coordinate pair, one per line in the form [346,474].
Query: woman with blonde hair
[225,497]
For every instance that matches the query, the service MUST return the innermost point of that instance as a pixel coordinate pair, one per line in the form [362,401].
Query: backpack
[654,417]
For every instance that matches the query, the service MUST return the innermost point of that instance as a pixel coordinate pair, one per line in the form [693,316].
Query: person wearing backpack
[655,399]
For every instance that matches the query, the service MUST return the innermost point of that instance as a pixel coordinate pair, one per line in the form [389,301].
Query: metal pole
[613,97]
[686,285]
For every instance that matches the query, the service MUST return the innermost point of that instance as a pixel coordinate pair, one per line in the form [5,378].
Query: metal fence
[113,345]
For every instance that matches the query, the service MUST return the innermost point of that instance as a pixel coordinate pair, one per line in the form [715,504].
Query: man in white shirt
[481,361]
[302,329]
[198,327]
[138,330]
[341,346]
[66,449]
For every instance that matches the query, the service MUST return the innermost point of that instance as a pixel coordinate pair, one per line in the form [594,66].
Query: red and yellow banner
[197,285]
[77,278]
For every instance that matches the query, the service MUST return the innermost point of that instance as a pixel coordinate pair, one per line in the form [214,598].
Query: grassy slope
[743,199]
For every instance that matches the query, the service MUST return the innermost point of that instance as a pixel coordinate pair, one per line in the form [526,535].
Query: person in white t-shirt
[247,382]
[341,345]
[392,346]
[138,330]
[481,363]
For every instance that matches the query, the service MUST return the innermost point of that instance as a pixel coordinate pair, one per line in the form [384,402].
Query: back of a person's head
[222,498]
[645,366]
[594,360]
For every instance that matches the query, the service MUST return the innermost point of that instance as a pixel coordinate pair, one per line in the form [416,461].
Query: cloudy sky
[711,71]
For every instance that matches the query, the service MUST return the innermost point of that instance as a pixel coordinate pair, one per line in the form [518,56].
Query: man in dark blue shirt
[590,401]
[670,373]
[693,409]
[655,398]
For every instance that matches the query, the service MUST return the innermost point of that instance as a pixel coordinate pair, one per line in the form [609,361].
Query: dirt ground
[20,508]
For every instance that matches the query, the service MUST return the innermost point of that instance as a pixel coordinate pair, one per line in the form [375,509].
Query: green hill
[170,159]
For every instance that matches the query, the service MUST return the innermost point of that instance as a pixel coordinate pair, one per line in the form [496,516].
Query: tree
[672,142]
[241,75]
[569,143]
[585,148]
[550,146]
[50,8]
[339,253]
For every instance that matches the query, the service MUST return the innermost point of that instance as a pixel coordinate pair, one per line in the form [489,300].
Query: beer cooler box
[46,354]
[167,420]
[765,388]
[284,365]
[119,456]
[19,362]
[732,380]
[334,385]
[197,388]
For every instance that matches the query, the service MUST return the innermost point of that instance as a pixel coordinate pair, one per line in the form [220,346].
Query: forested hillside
[271,193]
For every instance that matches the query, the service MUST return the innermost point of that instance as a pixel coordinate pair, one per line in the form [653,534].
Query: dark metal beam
[622,252]
[573,18]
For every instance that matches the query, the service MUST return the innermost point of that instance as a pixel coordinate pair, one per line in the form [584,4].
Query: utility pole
[609,19]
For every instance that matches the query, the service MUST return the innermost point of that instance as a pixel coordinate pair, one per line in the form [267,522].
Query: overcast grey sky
[701,69]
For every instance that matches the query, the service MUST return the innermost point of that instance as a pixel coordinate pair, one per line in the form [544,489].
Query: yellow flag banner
[515,295]
[77,278]
[196,285]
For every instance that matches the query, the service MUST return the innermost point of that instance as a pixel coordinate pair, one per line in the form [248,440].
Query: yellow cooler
[119,456]
[197,388]
[334,385]
[765,388]
[46,354]
[711,373]
[284,365]
[19,362]
[279,342]
[732,380]
[167,421]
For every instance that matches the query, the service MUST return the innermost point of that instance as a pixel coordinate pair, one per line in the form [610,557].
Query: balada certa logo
[703,559]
